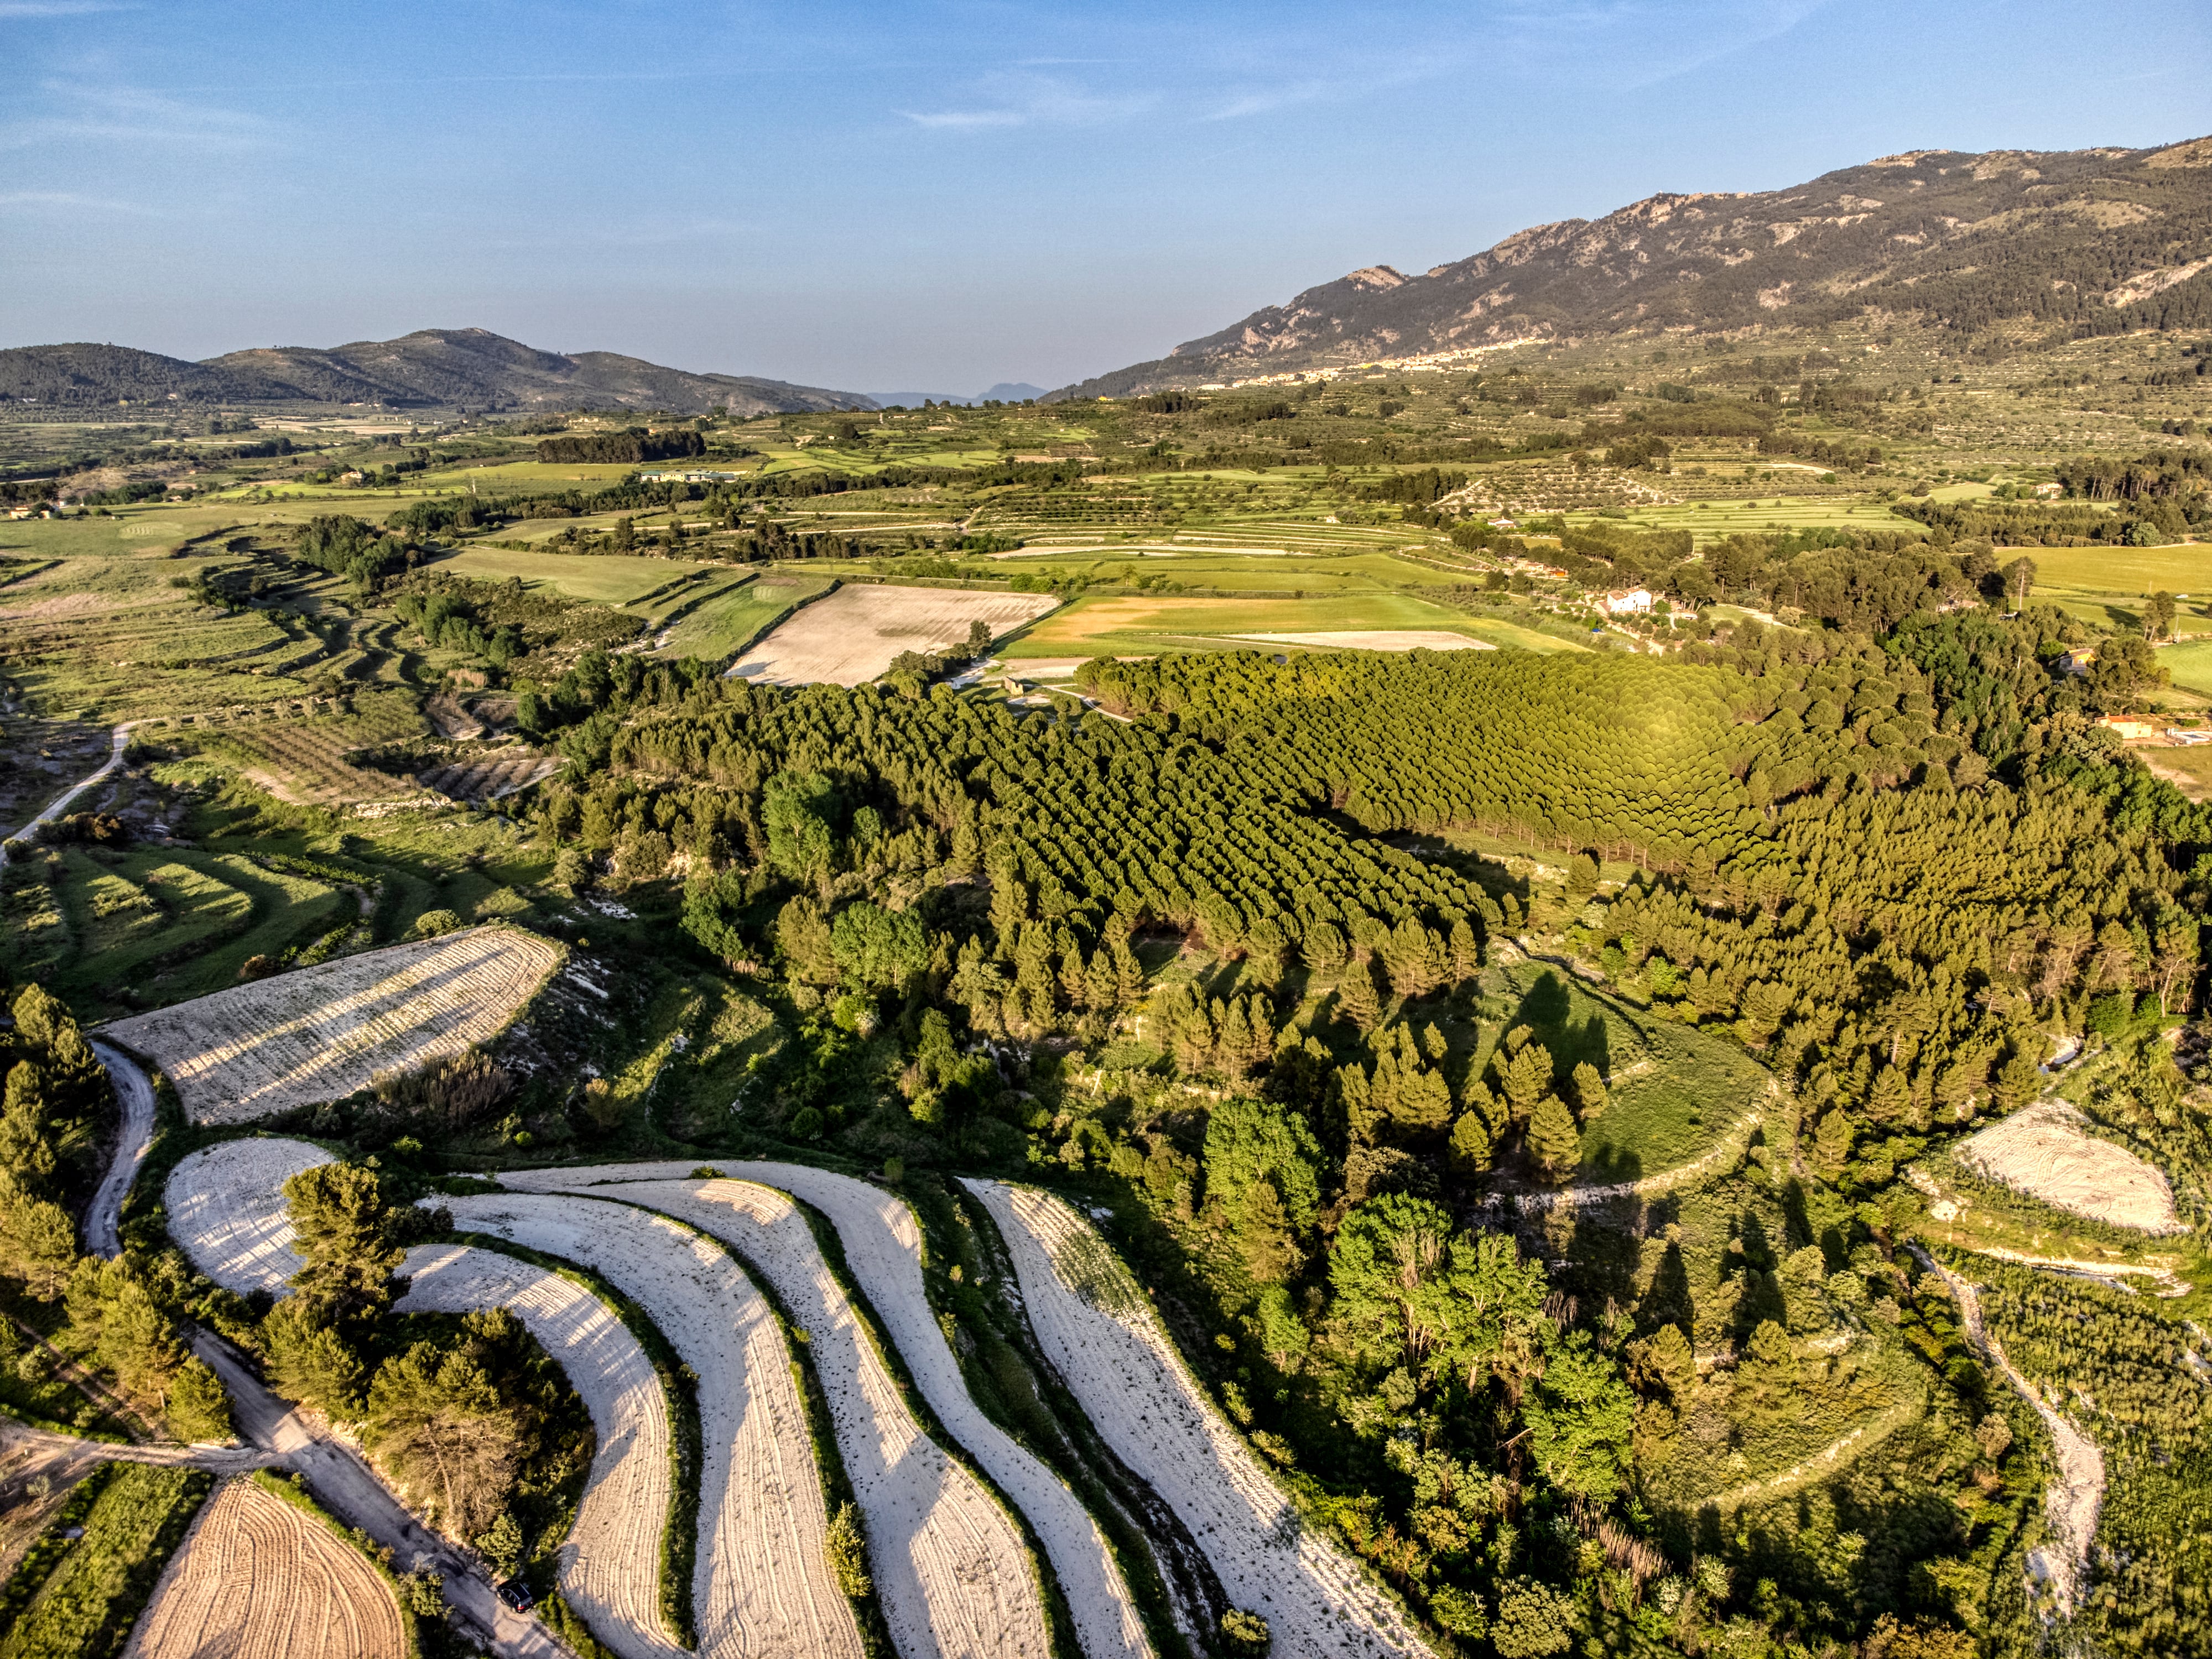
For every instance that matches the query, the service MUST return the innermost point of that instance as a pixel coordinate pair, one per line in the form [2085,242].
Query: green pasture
[2133,572]
[1710,519]
[603,579]
[1674,1090]
[732,618]
[2190,663]
[155,925]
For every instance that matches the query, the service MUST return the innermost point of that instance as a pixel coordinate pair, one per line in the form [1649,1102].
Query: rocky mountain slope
[433,368]
[2077,241]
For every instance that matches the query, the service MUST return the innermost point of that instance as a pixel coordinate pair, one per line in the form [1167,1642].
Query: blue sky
[940,196]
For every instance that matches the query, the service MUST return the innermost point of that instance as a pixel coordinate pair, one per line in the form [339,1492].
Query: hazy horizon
[945,197]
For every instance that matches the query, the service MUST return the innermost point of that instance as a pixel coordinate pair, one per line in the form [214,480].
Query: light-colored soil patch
[226,1211]
[1099,1332]
[258,1579]
[2043,1151]
[321,1033]
[1377,639]
[610,1564]
[762,1584]
[852,637]
[883,1248]
[951,1569]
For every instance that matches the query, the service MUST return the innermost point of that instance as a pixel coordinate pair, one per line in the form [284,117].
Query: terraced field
[763,1582]
[226,1211]
[321,1033]
[611,1564]
[881,1242]
[951,1568]
[1108,1345]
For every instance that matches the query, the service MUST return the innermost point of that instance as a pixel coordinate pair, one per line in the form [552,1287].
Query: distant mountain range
[470,368]
[1006,391]
[2072,241]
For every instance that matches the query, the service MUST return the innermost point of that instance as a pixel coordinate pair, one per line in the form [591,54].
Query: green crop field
[2190,663]
[602,580]
[733,618]
[95,1587]
[1709,518]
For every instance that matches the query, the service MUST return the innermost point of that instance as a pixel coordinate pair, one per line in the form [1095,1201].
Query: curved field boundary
[1098,1331]
[256,1576]
[950,1568]
[611,1564]
[882,1243]
[322,1033]
[762,1584]
[2076,1491]
[226,1211]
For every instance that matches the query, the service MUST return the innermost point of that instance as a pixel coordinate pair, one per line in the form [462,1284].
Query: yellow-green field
[602,579]
[2190,663]
[1710,519]
[1130,624]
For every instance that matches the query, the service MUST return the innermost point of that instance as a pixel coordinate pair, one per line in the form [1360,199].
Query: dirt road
[2077,1491]
[60,802]
[134,1093]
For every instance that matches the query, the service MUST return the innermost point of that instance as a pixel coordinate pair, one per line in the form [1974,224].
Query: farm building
[2129,728]
[2078,660]
[1636,601]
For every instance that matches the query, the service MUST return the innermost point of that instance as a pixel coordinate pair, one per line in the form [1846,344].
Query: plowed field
[1100,1332]
[258,1579]
[762,1583]
[321,1033]
[611,1565]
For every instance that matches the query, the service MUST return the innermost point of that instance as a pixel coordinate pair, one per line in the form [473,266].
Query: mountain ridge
[469,368]
[2094,240]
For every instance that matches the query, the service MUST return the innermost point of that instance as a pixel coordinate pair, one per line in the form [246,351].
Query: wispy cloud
[72,201]
[125,115]
[1036,100]
[11,10]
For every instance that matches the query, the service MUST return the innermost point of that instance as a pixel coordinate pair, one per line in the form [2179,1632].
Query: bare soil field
[321,1033]
[1376,639]
[611,1564]
[258,1579]
[852,637]
[881,1242]
[226,1211]
[951,1569]
[1097,1327]
[762,1583]
[2045,1151]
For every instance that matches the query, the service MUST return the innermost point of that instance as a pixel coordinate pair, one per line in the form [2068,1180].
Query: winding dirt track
[610,1564]
[1142,1399]
[761,1585]
[2076,1492]
[951,1568]
[256,1578]
[134,1095]
[883,1248]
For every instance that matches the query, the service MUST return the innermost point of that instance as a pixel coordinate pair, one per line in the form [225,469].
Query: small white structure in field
[1636,601]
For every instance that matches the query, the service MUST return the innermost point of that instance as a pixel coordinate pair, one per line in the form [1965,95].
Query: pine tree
[1554,1140]
[1357,996]
[1470,1144]
[1590,1098]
